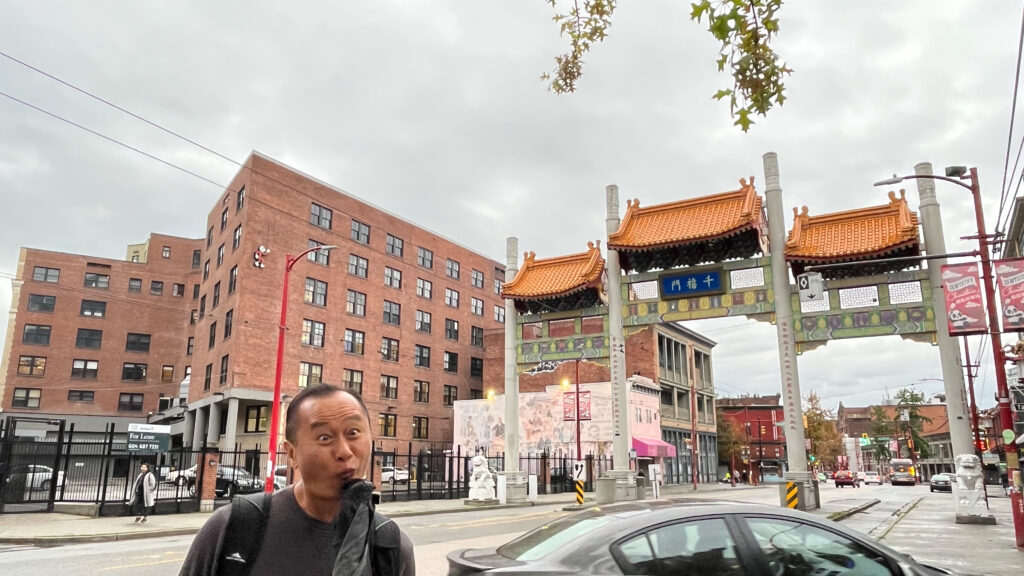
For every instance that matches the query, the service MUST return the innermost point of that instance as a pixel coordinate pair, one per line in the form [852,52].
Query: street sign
[811,286]
[148,438]
[1019,407]
[578,470]
[696,283]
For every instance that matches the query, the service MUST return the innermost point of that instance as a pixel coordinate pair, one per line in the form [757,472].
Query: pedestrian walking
[325,523]
[143,495]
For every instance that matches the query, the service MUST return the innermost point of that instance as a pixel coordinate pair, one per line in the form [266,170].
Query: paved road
[434,535]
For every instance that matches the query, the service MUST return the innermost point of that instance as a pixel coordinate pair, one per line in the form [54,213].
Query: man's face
[332,444]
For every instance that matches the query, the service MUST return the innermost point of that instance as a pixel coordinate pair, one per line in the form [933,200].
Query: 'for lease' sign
[148,438]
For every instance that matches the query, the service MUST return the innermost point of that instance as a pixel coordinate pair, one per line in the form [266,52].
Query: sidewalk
[54,529]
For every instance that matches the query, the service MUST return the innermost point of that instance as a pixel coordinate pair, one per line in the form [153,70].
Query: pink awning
[653,448]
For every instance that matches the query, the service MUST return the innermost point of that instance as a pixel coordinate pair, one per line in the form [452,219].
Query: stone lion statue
[481,482]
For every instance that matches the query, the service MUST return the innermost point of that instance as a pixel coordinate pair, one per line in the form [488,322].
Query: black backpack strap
[243,535]
[386,541]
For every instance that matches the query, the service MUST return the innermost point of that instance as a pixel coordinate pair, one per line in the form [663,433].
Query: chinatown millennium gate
[721,255]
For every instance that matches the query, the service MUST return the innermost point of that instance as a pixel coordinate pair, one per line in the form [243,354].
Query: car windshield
[549,537]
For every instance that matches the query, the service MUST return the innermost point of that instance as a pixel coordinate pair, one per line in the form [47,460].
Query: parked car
[280,477]
[941,482]
[659,537]
[393,475]
[180,477]
[872,477]
[847,478]
[904,478]
[37,476]
[231,481]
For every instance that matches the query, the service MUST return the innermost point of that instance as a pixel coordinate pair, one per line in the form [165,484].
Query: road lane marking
[181,559]
[493,521]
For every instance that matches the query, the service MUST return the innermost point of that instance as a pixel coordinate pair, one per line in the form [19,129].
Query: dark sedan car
[903,478]
[940,482]
[656,537]
[231,481]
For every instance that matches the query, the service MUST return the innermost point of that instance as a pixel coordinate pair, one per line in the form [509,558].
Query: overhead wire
[1004,188]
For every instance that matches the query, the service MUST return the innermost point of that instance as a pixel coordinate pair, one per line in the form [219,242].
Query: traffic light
[864,435]
[812,458]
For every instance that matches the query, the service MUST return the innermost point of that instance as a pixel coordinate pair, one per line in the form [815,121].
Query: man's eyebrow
[329,421]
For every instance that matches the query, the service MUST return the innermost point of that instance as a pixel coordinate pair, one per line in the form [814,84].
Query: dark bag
[248,523]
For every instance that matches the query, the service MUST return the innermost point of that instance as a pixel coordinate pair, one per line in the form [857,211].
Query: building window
[127,402]
[135,284]
[392,278]
[310,374]
[319,256]
[202,307]
[476,306]
[197,257]
[156,287]
[425,258]
[220,255]
[424,288]
[395,246]
[313,333]
[320,216]
[256,418]
[223,370]
[533,331]
[216,296]
[44,274]
[209,376]
[26,397]
[497,286]
[223,219]
[133,371]
[499,314]
[355,303]
[232,280]
[89,338]
[93,280]
[389,349]
[476,367]
[475,394]
[360,232]
[213,335]
[316,292]
[358,266]
[167,374]
[388,425]
[236,240]
[451,329]
[166,252]
[392,313]
[353,380]
[452,269]
[476,336]
[561,328]
[419,427]
[137,342]
[451,362]
[354,342]
[388,386]
[206,270]
[422,357]
[191,345]
[423,321]
[451,297]
[88,369]
[451,394]
[31,365]
[229,321]
[240,199]
[81,395]
[476,278]
[41,303]
[36,334]
[195,291]
[421,391]
[178,290]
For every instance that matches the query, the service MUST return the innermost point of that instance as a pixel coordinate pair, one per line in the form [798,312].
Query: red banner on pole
[1010,275]
[965,308]
[569,406]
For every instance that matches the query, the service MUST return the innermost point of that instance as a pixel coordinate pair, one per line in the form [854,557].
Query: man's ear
[290,451]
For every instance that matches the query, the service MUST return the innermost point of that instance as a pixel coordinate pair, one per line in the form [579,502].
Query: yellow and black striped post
[579,492]
[791,494]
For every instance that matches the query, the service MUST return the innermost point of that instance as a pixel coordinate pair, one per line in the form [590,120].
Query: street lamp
[954,175]
[275,409]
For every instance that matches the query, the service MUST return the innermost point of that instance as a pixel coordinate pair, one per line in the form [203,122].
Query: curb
[882,530]
[407,514]
[843,515]
[51,541]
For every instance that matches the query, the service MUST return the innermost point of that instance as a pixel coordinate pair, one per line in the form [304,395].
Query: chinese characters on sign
[695,283]
[965,312]
[569,406]
[1010,274]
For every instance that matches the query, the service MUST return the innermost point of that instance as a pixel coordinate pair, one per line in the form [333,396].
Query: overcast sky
[434,110]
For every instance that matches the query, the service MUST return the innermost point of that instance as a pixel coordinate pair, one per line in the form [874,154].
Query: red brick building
[394,311]
[764,443]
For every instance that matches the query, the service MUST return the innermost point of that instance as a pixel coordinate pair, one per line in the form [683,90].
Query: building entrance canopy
[653,448]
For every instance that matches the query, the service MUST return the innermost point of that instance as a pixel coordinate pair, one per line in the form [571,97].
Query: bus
[901,471]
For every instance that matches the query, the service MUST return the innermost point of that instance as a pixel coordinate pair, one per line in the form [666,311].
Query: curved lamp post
[275,409]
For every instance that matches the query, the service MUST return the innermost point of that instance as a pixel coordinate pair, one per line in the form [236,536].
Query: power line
[1009,137]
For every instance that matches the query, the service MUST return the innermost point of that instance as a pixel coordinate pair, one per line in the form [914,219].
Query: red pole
[974,404]
[579,444]
[275,409]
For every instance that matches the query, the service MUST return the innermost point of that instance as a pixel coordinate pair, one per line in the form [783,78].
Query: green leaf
[743,119]
[722,94]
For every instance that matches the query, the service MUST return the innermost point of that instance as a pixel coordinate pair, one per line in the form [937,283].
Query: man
[325,523]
